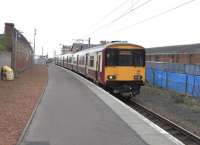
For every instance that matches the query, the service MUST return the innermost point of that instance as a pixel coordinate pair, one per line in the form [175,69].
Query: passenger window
[91,61]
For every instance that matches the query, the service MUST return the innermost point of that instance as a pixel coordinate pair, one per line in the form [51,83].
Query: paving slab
[71,114]
[147,130]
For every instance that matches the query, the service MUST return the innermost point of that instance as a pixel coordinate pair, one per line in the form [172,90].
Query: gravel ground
[183,110]
[17,100]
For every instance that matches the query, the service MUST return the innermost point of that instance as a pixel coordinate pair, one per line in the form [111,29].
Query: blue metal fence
[175,79]
[176,67]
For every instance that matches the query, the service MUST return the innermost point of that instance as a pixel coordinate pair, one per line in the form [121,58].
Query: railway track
[175,130]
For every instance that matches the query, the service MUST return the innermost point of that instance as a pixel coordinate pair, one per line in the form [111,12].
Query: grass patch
[187,101]
[156,90]
[177,98]
[191,102]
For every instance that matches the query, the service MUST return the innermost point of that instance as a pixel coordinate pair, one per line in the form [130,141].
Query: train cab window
[125,57]
[91,61]
[111,57]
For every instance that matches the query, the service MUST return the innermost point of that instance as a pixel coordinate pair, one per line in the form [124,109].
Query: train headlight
[111,77]
[137,77]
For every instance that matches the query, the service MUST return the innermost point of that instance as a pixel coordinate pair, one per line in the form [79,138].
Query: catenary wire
[121,16]
[156,15]
[111,12]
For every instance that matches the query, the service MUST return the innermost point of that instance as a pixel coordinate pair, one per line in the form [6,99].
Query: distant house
[184,54]
[81,46]
[66,48]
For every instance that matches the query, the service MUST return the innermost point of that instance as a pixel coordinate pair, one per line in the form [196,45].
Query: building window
[172,58]
[147,57]
[156,58]
[177,58]
[190,58]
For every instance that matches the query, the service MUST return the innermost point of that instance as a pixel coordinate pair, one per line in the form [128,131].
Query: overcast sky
[60,21]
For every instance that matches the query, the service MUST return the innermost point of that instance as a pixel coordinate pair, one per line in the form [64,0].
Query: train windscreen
[117,57]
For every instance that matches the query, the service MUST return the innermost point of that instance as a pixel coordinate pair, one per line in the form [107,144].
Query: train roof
[177,49]
[99,48]
[123,43]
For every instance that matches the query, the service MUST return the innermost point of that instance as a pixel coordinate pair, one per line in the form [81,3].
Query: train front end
[124,68]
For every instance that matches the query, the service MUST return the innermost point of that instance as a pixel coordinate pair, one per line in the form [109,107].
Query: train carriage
[119,67]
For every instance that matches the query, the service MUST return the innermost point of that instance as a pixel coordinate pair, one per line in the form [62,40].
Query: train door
[86,64]
[99,66]
[71,62]
[63,61]
[77,61]
[67,62]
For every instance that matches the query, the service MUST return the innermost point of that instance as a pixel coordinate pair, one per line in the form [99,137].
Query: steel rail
[175,130]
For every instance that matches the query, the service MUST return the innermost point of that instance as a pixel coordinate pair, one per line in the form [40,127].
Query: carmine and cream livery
[118,67]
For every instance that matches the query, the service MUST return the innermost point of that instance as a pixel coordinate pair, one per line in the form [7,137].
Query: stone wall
[20,48]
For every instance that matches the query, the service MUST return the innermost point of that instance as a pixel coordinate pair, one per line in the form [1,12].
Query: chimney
[8,35]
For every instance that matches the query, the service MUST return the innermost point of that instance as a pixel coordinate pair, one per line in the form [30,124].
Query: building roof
[190,48]
[81,46]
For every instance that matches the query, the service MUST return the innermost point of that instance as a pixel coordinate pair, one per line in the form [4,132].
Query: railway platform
[74,111]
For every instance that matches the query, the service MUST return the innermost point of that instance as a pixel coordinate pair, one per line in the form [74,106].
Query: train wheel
[127,95]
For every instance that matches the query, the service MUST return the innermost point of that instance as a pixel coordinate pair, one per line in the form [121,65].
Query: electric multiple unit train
[118,67]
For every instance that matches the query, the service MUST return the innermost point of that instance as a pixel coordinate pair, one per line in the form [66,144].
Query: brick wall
[174,58]
[21,50]
[23,53]
[195,59]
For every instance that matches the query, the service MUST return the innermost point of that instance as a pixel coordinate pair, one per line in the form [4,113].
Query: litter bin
[7,73]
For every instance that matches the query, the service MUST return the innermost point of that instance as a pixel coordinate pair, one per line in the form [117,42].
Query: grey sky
[60,21]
